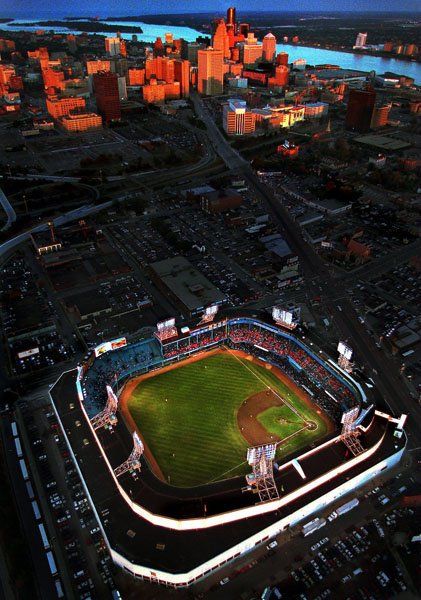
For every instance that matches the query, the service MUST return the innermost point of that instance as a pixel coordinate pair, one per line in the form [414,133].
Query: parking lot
[29,321]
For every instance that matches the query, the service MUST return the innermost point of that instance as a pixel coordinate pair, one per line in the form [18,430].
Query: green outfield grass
[188,417]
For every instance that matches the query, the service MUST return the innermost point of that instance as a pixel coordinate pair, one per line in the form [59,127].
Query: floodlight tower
[350,433]
[133,462]
[109,414]
[345,356]
[260,458]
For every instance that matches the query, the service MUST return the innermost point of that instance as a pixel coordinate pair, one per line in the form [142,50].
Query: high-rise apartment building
[107,96]
[360,110]
[210,71]
[361,40]
[269,47]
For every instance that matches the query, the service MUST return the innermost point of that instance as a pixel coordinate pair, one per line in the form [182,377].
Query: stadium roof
[189,286]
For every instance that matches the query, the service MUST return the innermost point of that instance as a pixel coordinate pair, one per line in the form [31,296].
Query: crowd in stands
[191,343]
[317,378]
[283,347]
[113,367]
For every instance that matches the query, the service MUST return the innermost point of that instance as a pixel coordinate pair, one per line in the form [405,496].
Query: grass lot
[188,417]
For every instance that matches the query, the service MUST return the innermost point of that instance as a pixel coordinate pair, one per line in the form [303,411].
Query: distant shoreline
[89,26]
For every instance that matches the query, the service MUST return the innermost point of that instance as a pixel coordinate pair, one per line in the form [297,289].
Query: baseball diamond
[197,417]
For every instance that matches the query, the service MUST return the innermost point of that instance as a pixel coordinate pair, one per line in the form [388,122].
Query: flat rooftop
[187,283]
[383,142]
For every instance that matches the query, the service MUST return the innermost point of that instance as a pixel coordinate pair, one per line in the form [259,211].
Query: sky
[103,8]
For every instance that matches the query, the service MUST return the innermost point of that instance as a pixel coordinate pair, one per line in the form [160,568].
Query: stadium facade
[177,536]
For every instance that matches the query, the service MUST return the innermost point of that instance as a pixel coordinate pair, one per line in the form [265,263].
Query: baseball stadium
[200,444]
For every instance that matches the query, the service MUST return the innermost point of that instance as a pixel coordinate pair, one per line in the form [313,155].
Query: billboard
[29,352]
[108,346]
[167,324]
[345,350]
[118,343]
[102,349]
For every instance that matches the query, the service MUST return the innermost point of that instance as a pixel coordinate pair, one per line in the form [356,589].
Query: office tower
[269,47]
[191,52]
[237,120]
[210,71]
[112,46]
[250,51]
[136,76]
[280,78]
[361,40]
[360,110]
[282,59]
[78,122]
[122,88]
[182,75]
[107,96]
[380,116]
[59,107]
[244,29]
[231,21]
[220,39]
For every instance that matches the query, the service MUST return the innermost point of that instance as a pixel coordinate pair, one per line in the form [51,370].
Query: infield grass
[188,417]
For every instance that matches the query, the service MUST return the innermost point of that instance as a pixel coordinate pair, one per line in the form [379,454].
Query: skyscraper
[269,47]
[360,110]
[182,75]
[231,19]
[107,95]
[210,71]
[220,39]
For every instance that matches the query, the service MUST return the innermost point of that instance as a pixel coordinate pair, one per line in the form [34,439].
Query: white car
[224,581]
[272,545]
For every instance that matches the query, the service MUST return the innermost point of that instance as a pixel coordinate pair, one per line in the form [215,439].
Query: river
[313,56]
